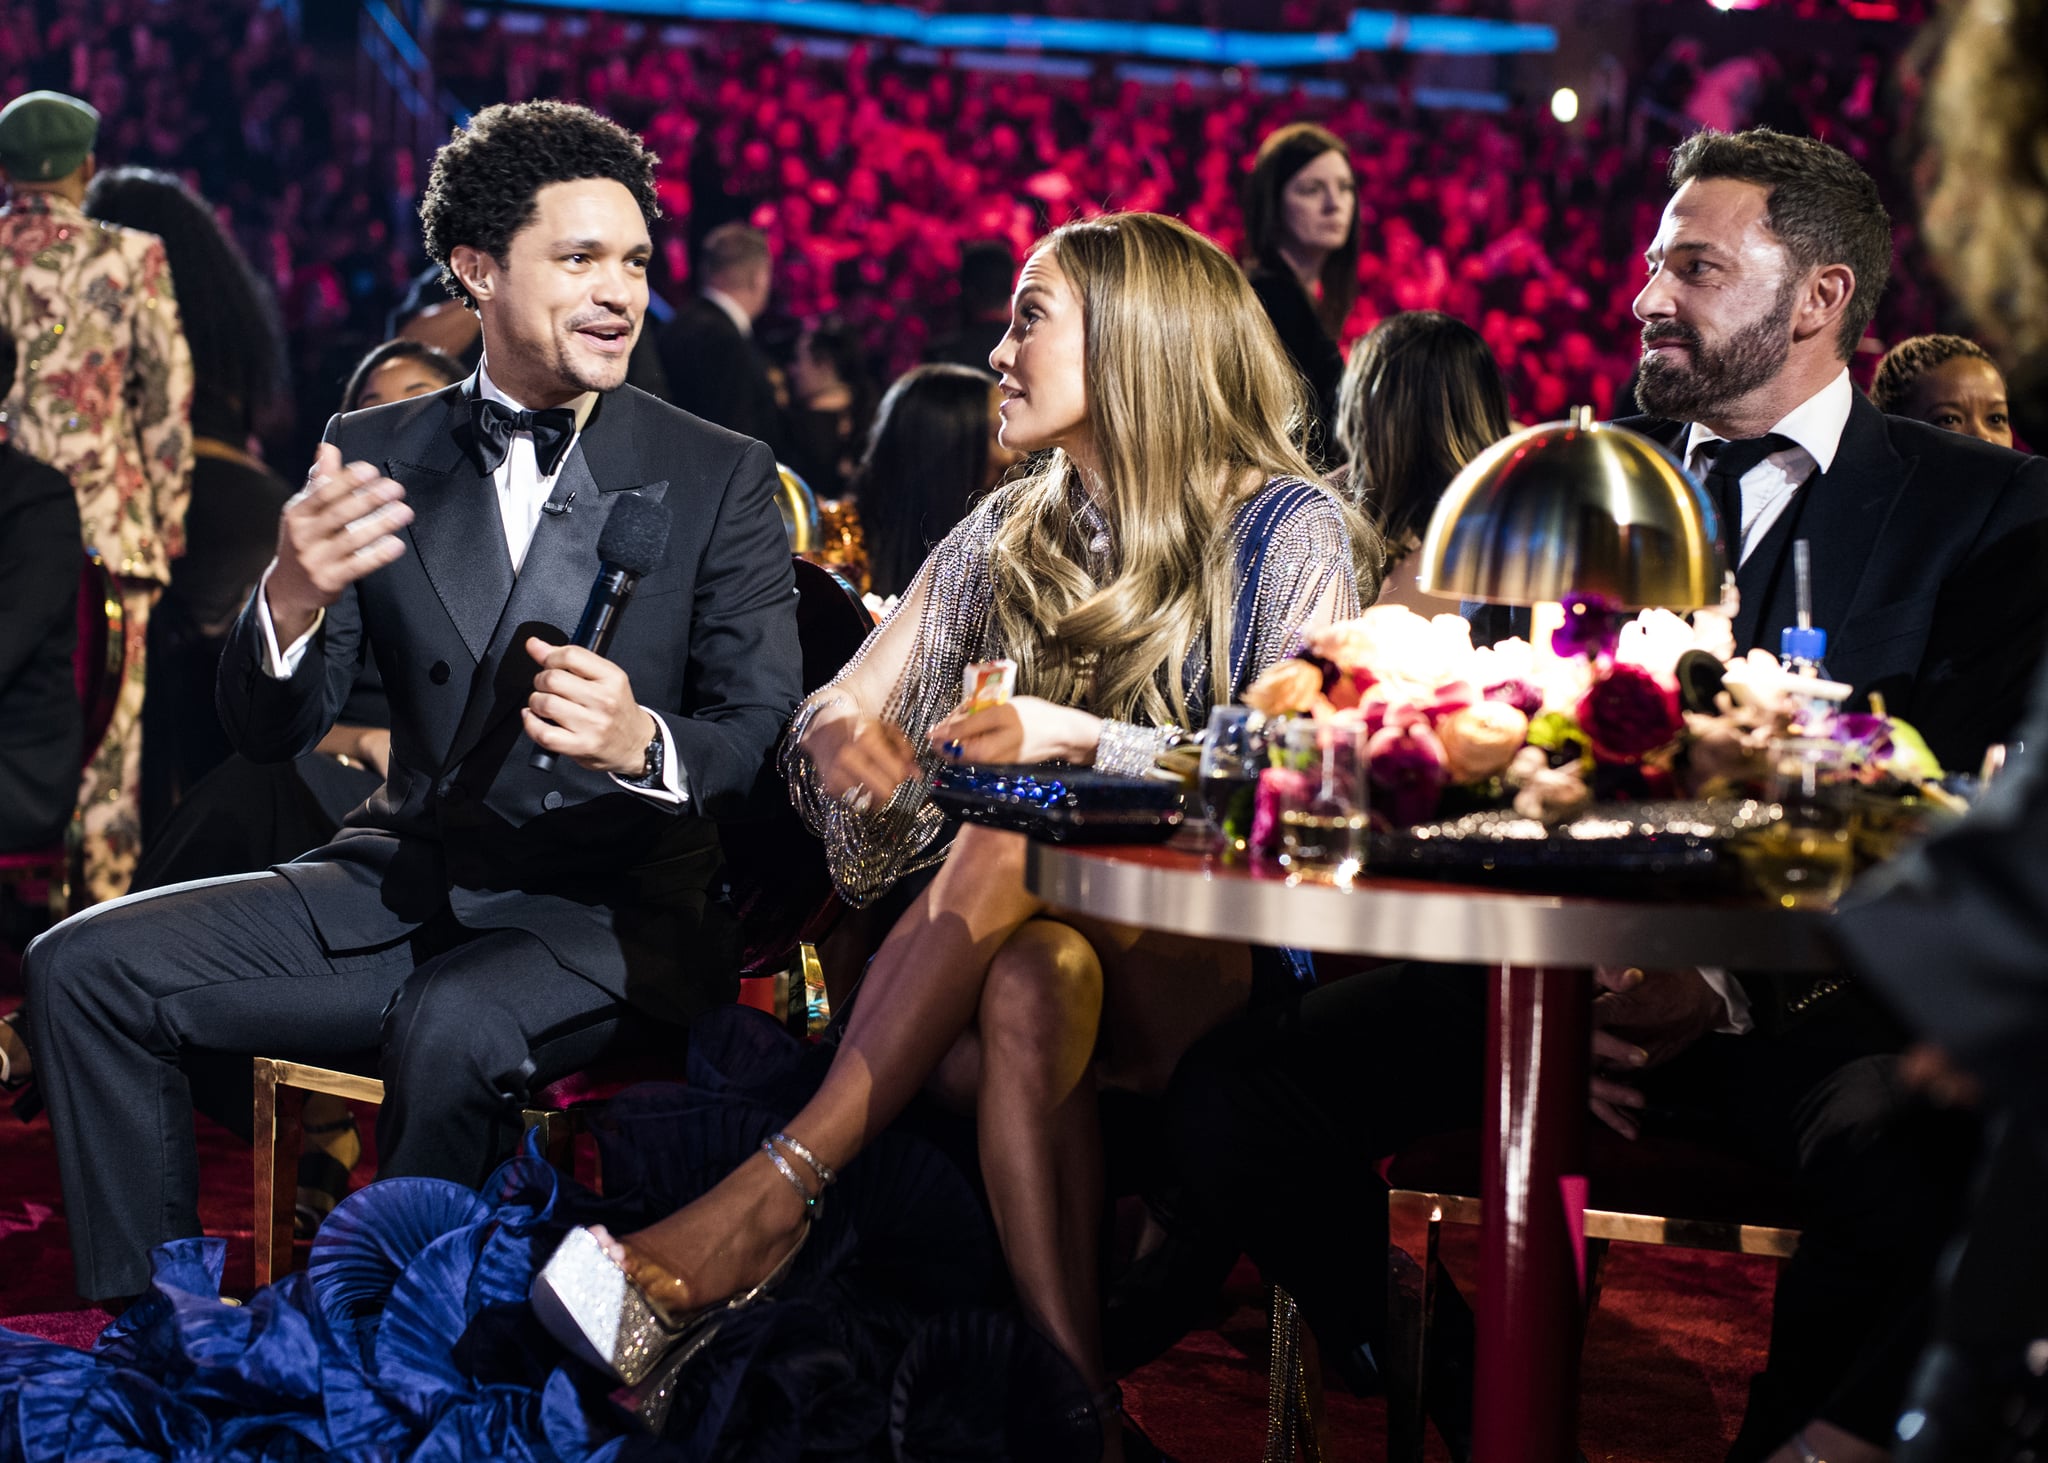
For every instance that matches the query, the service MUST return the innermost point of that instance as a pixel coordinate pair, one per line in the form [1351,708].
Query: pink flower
[1277,785]
[1629,711]
[1407,771]
[1522,695]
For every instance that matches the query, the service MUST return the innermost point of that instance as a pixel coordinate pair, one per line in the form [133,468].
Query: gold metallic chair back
[799,507]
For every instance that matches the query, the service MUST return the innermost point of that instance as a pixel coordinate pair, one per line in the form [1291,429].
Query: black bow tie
[492,423]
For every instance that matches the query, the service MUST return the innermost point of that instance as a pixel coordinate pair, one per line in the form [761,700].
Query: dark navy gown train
[408,1334]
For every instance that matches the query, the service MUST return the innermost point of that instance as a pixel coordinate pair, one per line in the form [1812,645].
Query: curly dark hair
[1818,201]
[1891,389]
[481,192]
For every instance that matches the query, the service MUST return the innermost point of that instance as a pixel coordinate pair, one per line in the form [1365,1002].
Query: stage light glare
[1564,104]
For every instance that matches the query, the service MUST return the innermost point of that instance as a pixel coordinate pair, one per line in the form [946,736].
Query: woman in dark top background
[833,401]
[1301,253]
[1422,397]
[931,454]
[231,528]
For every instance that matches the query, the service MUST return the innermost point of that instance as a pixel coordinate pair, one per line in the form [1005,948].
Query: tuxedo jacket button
[438,672]
[552,801]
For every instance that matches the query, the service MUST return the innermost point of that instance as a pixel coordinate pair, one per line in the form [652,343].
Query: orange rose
[1288,689]
[1481,739]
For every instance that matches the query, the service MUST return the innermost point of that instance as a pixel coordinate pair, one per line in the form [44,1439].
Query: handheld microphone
[634,539]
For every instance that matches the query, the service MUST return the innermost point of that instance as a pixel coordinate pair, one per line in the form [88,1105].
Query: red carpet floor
[1667,1359]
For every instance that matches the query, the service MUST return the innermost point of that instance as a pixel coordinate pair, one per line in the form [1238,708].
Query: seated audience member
[934,450]
[483,925]
[1118,324]
[986,269]
[832,403]
[1763,274]
[231,524]
[397,369]
[714,367]
[39,713]
[1421,397]
[1947,382]
[1301,252]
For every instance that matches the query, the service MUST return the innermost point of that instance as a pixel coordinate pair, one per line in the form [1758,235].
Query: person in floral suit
[103,393]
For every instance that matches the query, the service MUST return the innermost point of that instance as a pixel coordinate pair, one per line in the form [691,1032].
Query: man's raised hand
[341,526]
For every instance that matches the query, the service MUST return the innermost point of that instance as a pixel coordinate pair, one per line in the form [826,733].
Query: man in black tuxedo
[479,927]
[708,352]
[1763,275]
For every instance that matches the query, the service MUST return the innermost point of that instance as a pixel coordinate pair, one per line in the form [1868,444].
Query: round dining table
[1542,949]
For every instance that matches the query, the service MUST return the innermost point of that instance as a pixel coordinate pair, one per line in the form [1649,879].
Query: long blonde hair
[1192,406]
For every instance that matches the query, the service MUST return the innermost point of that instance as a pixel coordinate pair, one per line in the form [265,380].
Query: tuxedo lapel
[1842,514]
[456,528]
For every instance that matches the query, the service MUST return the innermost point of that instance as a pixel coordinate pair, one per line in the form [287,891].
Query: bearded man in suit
[1925,550]
[479,927]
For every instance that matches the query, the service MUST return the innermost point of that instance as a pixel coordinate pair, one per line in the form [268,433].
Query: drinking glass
[1229,775]
[1323,827]
[1804,856]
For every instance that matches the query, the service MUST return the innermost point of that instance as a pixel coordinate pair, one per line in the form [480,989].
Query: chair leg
[275,1153]
[1596,1276]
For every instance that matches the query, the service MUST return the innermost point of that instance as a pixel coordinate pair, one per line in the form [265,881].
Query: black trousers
[129,1001]
[1275,1122]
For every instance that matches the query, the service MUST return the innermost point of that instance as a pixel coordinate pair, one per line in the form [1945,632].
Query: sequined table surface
[1542,948]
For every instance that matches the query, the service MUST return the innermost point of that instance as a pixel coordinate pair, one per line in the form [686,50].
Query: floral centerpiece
[1610,709]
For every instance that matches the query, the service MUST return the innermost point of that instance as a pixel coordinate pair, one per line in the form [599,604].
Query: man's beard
[1716,375]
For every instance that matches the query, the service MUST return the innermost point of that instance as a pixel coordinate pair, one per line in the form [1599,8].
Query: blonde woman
[1170,544]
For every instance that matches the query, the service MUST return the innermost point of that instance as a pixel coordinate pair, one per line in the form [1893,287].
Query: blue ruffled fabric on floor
[408,1335]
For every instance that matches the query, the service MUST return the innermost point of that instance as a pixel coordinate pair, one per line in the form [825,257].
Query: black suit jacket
[719,374]
[613,883]
[1930,574]
[40,561]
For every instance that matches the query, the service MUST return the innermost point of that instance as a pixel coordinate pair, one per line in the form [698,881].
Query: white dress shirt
[522,490]
[1815,427]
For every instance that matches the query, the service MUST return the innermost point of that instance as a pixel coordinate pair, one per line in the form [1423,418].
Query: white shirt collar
[739,317]
[1816,424]
[489,390]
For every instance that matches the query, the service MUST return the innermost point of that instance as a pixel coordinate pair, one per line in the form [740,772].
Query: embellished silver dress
[1294,557]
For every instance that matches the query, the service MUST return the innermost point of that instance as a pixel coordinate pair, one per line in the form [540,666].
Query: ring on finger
[858,798]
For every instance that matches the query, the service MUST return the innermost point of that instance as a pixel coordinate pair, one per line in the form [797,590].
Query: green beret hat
[45,135]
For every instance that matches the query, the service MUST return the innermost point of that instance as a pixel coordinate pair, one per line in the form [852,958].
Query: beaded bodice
[1293,554]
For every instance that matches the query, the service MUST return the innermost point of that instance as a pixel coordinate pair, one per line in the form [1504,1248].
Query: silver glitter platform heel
[597,1312]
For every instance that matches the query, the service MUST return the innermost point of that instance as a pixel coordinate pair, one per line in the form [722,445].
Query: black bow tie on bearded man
[492,425]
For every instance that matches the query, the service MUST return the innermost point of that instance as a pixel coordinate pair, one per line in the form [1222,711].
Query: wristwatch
[650,776]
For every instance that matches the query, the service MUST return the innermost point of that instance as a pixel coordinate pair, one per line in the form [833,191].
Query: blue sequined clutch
[1061,804]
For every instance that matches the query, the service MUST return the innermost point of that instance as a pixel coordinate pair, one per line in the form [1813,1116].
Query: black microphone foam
[635,536]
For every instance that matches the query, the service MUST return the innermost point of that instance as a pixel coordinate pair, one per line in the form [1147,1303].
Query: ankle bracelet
[825,1175]
[782,1166]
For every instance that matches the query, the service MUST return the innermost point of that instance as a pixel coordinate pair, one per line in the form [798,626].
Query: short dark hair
[1818,202]
[482,189]
[730,248]
[404,348]
[925,461]
[1891,389]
